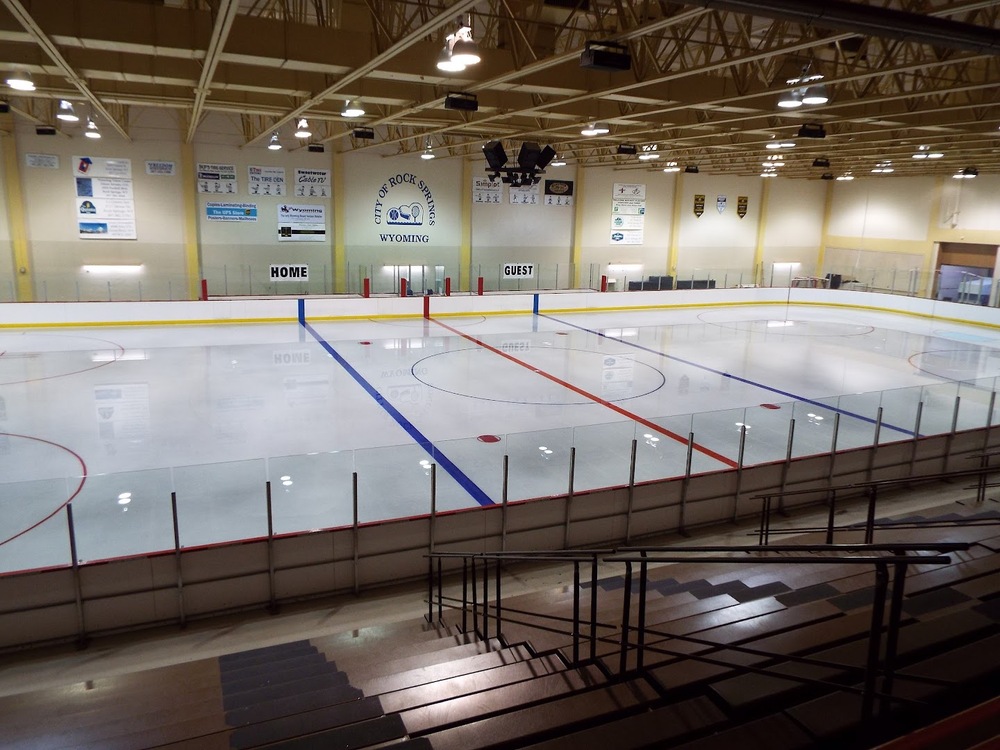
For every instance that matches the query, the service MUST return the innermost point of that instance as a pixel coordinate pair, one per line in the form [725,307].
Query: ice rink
[115,419]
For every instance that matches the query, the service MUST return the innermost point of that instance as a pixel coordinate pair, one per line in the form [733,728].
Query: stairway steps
[231,674]
[234,701]
[467,708]
[378,668]
[467,684]
[770,733]
[279,676]
[443,671]
[649,729]
[513,728]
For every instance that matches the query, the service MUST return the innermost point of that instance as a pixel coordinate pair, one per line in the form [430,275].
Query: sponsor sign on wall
[266,180]
[105,208]
[230,211]
[485,190]
[313,183]
[526,195]
[217,178]
[161,168]
[628,213]
[558,193]
[42,161]
[298,223]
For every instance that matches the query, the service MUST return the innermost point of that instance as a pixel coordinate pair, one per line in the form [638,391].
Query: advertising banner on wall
[231,211]
[266,180]
[558,192]
[627,237]
[485,190]
[301,223]
[217,178]
[42,161]
[313,183]
[105,208]
[526,195]
[628,213]
[161,168]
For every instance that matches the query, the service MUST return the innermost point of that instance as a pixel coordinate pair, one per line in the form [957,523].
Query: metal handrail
[870,489]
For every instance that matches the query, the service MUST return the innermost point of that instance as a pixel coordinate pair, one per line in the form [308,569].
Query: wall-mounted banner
[699,205]
[526,195]
[627,237]
[627,221]
[96,166]
[485,190]
[231,211]
[720,203]
[741,206]
[313,183]
[558,193]
[104,205]
[405,203]
[266,180]
[161,168]
[42,161]
[629,191]
[217,178]
[289,272]
[628,198]
[301,223]
[518,271]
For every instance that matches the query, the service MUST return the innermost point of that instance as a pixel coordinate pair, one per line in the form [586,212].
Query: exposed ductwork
[869,20]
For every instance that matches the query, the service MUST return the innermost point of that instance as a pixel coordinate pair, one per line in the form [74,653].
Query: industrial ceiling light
[808,90]
[460,49]
[596,128]
[846,177]
[20,80]
[649,152]
[92,131]
[671,167]
[826,176]
[968,173]
[302,129]
[691,169]
[427,154]
[66,113]
[352,109]
[824,162]
[274,144]
[883,167]
[557,163]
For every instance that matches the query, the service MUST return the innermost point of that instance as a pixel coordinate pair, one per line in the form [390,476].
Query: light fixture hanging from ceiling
[302,129]
[427,154]
[460,49]
[352,108]
[596,128]
[649,152]
[808,90]
[968,173]
[66,113]
[20,80]
[274,144]
[92,130]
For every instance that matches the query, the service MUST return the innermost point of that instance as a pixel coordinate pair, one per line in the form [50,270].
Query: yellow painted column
[758,251]
[465,248]
[825,231]
[576,251]
[192,249]
[24,286]
[933,230]
[341,284]
[675,224]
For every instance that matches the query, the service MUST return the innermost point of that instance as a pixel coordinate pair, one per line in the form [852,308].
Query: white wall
[793,229]
[971,204]
[895,208]
[7,279]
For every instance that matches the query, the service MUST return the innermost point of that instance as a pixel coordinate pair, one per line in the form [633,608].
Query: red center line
[596,399]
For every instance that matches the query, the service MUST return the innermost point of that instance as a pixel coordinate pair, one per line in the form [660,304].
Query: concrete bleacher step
[513,728]
[649,729]
[433,673]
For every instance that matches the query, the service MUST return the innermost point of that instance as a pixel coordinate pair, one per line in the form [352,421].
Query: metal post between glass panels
[788,464]
[177,560]
[503,505]
[833,447]
[433,519]
[739,471]
[916,436]
[684,485]
[272,600]
[355,535]
[951,434]
[569,496]
[631,493]
[875,439]
[81,627]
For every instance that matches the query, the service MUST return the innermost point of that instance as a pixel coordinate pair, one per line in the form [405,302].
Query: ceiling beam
[42,40]
[225,15]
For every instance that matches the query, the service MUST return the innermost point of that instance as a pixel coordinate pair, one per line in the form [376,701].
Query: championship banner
[741,206]
[699,205]
[720,203]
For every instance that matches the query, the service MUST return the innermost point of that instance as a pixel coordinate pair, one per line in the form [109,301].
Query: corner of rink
[313,308]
